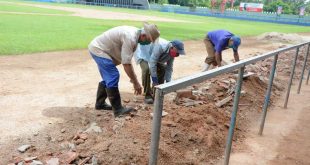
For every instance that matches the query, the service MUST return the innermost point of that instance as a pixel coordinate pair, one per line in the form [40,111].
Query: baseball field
[48,84]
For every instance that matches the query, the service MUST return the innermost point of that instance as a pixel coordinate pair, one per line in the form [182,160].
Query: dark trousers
[146,77]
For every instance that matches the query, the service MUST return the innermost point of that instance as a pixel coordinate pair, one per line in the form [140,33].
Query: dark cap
[179,45]
[236,42]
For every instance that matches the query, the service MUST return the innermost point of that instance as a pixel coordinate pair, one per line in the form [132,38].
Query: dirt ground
[93,13]
[286,135]
[294,148]
[47,101]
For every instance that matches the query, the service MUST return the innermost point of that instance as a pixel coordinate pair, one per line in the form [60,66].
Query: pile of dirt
[193,131]
[284,64]
[281,37]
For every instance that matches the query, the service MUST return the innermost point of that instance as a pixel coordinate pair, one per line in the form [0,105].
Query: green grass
[29,34]
[22,34]
[28,9]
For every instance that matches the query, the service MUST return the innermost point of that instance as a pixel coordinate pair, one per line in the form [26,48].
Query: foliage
[289,6]
[194,3]
[163,2]
[273,7]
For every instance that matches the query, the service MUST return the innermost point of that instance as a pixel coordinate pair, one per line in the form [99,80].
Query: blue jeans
[108,71]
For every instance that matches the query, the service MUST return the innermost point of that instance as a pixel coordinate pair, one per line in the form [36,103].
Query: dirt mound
[284,65]
[194,131]
[281,37]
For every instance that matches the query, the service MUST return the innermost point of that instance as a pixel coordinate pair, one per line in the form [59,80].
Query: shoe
[115,100]
[101,97]
[148,100]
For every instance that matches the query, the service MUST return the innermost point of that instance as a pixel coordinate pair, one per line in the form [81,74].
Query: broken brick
[184,94]
[224,101]
[68,157]
[168,124]
[83,136]
[29,159]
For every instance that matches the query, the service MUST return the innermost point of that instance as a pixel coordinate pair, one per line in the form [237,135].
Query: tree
[163,2]
[273,7]
[153,1]
[174,2]
[203,3]
[295,6]
[307,7]
[183,2]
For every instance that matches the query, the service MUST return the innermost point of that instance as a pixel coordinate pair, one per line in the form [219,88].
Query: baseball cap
[179,45]
[236,42]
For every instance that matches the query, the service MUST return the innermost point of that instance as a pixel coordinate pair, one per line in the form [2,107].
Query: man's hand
[137,87]
[155,80]
[133,78]
[154,84]
[153,89]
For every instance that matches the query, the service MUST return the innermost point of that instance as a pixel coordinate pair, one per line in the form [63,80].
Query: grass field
[29,9]
[21,34]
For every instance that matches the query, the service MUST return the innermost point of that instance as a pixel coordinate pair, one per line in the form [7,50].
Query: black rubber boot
[148,100]
[101,97]
[115,100]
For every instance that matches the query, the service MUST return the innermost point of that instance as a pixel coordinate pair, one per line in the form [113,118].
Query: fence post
[291,79]
[233,116]
[308,77]
[303,70]
[156,124]
[268,93]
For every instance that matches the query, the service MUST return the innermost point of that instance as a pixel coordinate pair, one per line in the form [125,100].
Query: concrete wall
[144,3]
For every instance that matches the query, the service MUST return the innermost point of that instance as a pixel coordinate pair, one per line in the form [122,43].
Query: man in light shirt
[142,57]
[113,47]
[158,56]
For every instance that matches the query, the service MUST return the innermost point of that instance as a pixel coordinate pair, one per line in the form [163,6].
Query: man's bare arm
[236,56]
[218,59]
[133,78]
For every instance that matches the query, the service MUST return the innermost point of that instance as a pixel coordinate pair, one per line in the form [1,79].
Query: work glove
[155,81]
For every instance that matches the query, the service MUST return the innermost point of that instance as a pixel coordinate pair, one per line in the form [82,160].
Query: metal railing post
[308,77]
[268,93]
[156,124]
[233,116]
[291,78]
[303,70]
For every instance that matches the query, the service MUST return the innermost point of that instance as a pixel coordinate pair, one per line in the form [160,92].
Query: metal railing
[166,88]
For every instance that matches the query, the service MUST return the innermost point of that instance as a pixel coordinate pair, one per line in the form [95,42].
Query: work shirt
[117,44]
[220,39]
[143,52]
[160,55]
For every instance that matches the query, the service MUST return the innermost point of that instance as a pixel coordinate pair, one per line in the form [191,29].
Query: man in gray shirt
[162,58]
